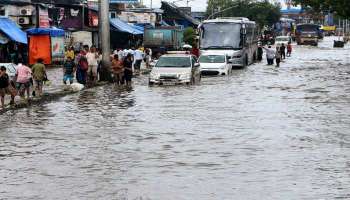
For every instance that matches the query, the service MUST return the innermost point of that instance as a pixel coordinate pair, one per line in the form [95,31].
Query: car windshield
[10,68]
[282,39]
[174,62]
[221,36]
[212,59]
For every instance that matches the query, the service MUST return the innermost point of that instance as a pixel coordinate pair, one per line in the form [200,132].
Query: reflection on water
[262,133]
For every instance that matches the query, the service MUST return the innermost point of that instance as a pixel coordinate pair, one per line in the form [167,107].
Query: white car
[173,69]
[282,40]
[215,64]
[10,69]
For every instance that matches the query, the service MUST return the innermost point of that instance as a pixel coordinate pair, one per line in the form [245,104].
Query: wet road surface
[261,133]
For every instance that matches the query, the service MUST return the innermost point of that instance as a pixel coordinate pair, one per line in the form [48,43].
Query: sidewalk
[52,91]
[55,75]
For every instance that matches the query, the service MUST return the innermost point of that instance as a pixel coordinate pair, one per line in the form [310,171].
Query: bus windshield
[221,36]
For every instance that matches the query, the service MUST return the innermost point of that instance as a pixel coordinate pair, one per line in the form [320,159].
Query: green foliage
[189,36]
[263,12]
[341,7]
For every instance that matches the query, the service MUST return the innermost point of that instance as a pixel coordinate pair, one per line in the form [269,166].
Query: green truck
[163,39]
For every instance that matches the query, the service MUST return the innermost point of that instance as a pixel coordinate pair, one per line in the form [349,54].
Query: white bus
[236,37]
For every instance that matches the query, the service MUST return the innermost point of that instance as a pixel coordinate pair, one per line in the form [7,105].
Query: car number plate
[168,83]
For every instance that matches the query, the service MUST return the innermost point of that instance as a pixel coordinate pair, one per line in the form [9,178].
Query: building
[175,16]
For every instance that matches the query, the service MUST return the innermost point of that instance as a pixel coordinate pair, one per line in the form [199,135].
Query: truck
[308,34]
[162,39]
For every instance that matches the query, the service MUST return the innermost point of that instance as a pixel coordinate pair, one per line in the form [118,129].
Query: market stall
[13,42]
[47,44]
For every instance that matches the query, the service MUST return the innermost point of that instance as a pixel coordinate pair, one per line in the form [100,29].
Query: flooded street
[260,133]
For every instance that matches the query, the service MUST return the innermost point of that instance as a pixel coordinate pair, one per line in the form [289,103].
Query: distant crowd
[86,64]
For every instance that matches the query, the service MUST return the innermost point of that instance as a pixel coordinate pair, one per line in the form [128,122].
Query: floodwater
[261,133]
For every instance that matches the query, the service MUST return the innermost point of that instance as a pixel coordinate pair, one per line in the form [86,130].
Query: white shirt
[91,58]
[120,54]
[138,55]
[270,53]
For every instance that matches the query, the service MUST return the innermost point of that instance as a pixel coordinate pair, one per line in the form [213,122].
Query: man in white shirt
[270,55]
[93,59]
[138,56]
[120,55]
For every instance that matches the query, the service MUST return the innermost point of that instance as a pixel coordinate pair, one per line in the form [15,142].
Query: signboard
[93,19]
[44,21]
[57,48]
[141,18]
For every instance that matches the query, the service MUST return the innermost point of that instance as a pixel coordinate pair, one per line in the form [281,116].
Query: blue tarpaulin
[124,27]
[12,31]
[53,32]
[138,27]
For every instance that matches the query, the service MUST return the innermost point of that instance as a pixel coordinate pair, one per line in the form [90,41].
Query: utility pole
[104,34]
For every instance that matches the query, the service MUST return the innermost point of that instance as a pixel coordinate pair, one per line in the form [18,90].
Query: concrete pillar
[104,34]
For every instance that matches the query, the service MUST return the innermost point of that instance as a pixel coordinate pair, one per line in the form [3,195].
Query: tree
[263,12]
[341,7]
[189,36]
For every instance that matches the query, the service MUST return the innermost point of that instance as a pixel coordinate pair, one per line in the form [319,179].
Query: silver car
[173,69]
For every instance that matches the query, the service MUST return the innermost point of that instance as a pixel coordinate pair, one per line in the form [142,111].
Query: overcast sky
[197,5]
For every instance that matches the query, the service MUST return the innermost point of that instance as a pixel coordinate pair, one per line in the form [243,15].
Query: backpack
[83,63]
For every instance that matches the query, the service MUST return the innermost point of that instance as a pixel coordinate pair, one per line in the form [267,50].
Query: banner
[44,21]
[57,48]
[39,47]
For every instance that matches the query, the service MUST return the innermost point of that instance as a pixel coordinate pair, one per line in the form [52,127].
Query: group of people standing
[25,78]
[83,64]
[279,54]
[124,61]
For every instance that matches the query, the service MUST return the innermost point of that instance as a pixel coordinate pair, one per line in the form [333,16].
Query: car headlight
[222,67]
[185,76]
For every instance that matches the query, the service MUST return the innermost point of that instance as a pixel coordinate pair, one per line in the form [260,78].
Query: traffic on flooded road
[260,132]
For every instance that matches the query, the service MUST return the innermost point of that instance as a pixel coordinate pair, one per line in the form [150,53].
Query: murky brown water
[262,133]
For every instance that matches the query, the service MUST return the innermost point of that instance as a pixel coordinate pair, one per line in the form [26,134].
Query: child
[68,71]
[289,49]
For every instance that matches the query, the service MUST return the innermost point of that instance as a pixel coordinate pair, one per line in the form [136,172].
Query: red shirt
[195,52]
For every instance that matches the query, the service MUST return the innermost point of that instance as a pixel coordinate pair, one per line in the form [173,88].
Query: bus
[308,34]
[235,37]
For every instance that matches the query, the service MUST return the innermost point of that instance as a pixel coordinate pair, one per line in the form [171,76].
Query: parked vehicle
[173,69]
[235,37]
[308,34]
[162,39]
[10,69]
[283,40]
[215,64]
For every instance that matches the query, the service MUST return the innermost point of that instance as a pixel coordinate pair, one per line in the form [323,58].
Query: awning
[12,31]
[124,27]
[53,32]
[138,27]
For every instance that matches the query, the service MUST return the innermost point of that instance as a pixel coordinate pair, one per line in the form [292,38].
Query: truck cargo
[164,38]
